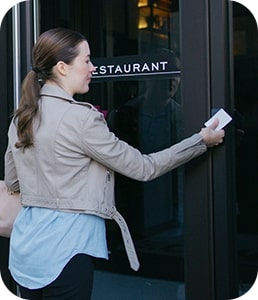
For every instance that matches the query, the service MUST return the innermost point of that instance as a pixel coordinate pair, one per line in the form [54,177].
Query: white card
[224,119]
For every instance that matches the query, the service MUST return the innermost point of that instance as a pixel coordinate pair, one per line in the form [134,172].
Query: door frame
[210,220]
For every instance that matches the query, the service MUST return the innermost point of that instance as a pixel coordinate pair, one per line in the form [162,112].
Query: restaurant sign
[135,67]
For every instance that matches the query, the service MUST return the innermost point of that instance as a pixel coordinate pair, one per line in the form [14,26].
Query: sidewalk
[111,286]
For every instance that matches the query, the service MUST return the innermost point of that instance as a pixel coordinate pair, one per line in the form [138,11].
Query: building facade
[163,68]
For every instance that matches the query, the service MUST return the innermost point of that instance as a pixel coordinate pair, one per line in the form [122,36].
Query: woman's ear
[61,68]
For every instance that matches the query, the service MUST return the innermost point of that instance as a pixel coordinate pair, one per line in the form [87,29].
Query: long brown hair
[54,45]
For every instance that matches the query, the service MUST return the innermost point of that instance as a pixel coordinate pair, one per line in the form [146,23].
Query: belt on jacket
[128,242]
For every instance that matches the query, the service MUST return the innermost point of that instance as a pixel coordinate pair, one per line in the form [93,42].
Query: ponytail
[27,111]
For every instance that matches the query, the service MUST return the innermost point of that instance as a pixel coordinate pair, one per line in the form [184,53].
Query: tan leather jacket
[71,166]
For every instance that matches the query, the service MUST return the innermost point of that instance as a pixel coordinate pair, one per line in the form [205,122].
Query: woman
[61,156]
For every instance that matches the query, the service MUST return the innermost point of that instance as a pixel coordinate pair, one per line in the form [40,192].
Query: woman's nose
[92,69]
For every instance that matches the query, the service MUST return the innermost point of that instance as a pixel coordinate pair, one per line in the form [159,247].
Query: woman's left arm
[10,176]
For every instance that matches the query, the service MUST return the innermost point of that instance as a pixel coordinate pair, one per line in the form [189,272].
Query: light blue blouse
[44,240]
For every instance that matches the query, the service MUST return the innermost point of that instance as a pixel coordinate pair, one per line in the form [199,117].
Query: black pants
[4,258]
[74,283]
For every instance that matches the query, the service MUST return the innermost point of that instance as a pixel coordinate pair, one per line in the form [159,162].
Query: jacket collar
[55,92]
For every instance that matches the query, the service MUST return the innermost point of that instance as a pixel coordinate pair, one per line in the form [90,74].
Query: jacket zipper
[108,176]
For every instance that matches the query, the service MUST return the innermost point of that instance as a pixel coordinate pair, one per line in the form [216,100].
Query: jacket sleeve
[10,175]
[103,146]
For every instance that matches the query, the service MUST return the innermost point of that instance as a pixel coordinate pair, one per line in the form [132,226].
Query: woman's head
[59,51]
[58,44]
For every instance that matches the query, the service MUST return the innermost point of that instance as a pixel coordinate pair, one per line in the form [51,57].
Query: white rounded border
[5,6]
[252,5]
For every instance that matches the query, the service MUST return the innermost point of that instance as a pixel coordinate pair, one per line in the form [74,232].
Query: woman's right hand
[212,137]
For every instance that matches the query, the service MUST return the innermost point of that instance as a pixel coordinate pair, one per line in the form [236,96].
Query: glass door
[147,113]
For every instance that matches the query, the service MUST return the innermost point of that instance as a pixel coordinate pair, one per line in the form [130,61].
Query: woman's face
[79,72]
